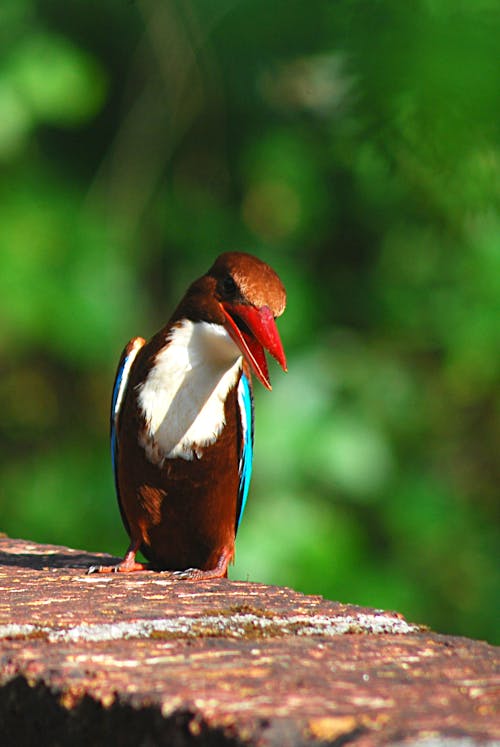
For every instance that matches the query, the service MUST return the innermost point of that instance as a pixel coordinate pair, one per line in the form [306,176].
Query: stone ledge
[141,659]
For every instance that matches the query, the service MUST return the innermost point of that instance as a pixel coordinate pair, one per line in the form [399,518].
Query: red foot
[196,574]
[128,565]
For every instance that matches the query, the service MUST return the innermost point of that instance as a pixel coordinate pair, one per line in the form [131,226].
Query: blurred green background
[354,145]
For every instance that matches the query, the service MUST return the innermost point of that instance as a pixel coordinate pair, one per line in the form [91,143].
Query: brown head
[245,295]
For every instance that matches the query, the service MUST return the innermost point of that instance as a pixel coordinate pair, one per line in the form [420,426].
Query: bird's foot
[128,565]
[118,568]
[198,574]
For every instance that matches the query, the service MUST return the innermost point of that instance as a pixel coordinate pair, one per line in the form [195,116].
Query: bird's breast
[181,400]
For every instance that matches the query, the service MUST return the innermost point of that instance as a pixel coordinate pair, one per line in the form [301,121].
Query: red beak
[257,333]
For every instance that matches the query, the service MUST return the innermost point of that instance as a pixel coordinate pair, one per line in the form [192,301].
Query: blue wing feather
[245,401]
[119,387]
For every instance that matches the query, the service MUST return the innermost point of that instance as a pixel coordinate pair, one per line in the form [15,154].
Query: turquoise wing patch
[245,402]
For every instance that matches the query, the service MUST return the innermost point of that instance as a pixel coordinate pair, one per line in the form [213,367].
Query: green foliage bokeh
[353,145]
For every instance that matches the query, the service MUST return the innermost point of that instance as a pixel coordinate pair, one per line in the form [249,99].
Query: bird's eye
[229,286]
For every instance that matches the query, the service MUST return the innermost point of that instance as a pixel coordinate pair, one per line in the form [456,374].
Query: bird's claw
[187,574]
[102,569]
[119,568]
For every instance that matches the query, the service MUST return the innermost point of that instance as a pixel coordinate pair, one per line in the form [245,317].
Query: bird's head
[245,296]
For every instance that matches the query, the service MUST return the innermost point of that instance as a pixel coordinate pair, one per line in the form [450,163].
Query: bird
[182,420]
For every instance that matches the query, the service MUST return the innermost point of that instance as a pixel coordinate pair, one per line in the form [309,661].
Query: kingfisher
[182,420]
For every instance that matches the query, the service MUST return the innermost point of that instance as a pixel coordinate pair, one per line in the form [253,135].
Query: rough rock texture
[142,659]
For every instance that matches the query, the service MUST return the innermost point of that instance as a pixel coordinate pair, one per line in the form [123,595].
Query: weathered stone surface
[145,660]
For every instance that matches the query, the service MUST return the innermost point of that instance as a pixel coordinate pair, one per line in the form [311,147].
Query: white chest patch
[182,398]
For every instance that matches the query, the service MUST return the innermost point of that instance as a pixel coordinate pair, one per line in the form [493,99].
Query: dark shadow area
[38,562]
[33,715]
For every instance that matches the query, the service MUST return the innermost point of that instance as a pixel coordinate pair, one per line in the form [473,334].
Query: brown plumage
[179,421]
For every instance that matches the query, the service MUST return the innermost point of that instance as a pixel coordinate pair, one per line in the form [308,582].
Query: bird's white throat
[182,398]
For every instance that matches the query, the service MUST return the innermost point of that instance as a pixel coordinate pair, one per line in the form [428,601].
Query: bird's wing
[119,388]
[245,402]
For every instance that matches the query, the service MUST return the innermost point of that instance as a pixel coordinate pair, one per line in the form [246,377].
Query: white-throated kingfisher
[182,419]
